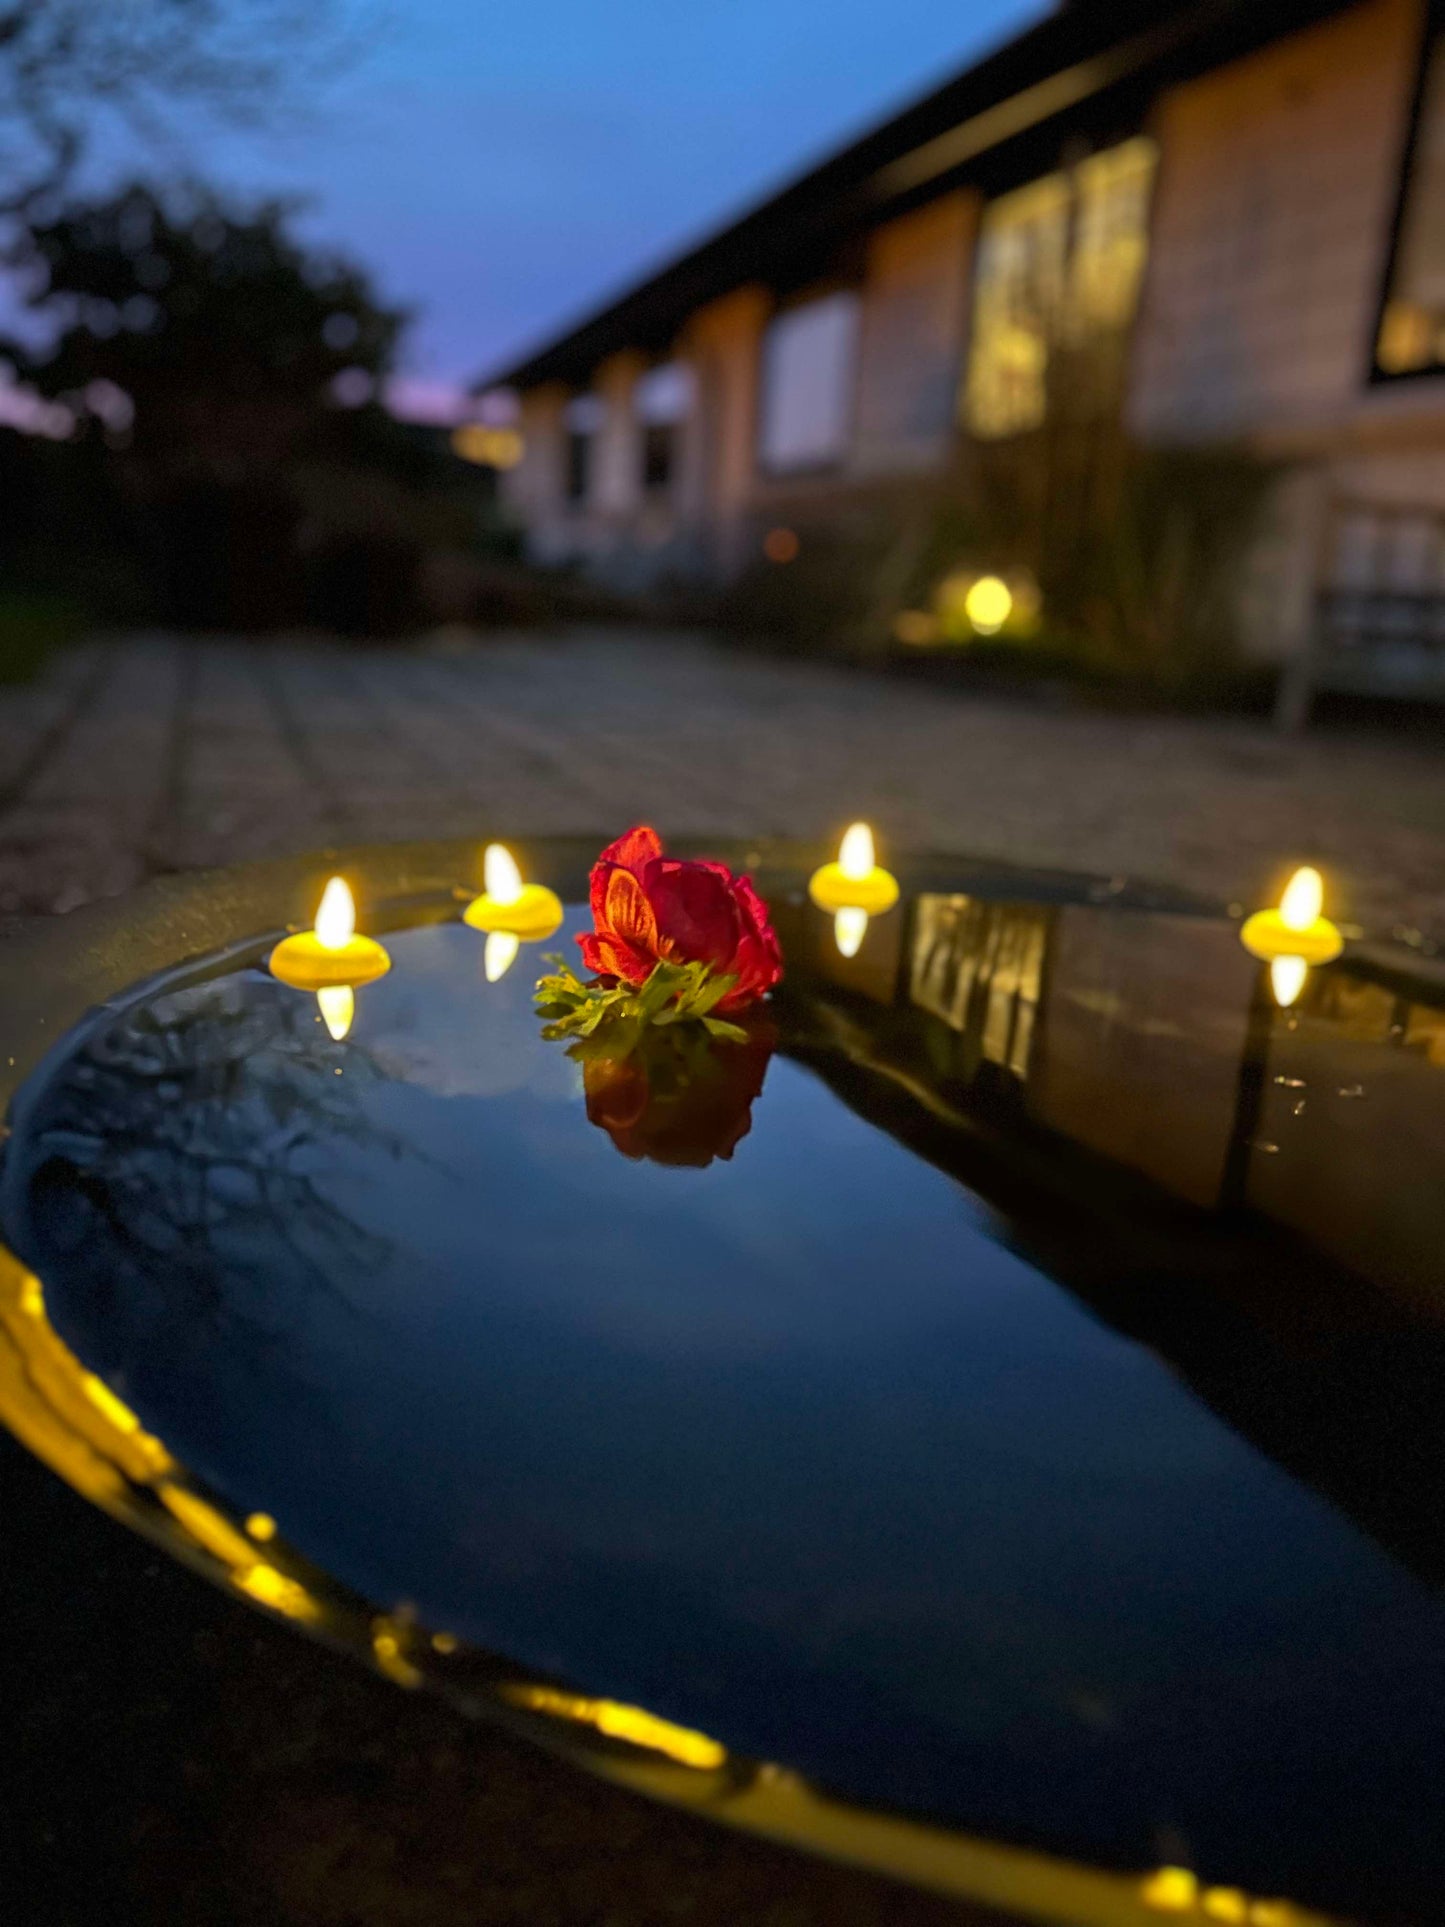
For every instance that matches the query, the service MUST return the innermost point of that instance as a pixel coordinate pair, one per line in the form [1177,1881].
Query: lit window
[1058,267]
[1412,324]
[662,402]
[809,354]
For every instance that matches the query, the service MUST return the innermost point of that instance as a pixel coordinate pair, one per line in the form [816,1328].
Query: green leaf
[720,1027]
[673,994]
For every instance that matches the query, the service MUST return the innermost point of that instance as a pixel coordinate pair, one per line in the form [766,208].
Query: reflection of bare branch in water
[171,1151]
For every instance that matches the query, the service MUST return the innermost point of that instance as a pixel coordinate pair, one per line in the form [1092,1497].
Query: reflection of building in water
[1350,1141]
[1146,1042]
[979,966]
[1146,1022]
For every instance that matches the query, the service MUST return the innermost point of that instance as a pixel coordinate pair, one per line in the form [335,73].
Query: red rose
[649,909]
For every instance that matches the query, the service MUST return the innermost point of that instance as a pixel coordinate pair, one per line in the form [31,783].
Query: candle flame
[500,875]
[335,916]
[1303,899]
[338,1007]
[1287,979]
[500,954]
[849,927]
[855,857]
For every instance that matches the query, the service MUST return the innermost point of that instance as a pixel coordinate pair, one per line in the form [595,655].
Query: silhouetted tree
[67,64]
[215,329]
[218,355]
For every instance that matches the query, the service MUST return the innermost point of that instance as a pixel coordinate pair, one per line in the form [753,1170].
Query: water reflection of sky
[793,1449]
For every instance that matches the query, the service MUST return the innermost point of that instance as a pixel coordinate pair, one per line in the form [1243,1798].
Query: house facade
[1236,207]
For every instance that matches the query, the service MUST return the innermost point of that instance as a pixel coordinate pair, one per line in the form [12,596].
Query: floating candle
[522,910]
[1296,928]
[332,954]
[854,882]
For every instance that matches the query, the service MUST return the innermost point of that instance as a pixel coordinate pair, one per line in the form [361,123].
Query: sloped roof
[1081,52]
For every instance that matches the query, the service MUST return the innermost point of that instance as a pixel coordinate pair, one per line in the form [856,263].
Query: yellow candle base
[305,963]
[831,889]
[1266,935]
[534,914]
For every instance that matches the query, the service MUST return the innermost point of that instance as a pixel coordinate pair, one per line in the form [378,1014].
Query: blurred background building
[1132,333]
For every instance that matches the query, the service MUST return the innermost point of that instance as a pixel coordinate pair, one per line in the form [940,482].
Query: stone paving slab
[153,752]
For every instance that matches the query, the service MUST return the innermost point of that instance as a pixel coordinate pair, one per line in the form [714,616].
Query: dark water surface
[1032,1420]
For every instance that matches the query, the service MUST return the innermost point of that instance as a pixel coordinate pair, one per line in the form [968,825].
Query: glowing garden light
[988,604]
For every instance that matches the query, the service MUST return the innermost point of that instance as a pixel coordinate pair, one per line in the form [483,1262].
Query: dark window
[658,454]
[1411,335]
[662,403]
[579,461]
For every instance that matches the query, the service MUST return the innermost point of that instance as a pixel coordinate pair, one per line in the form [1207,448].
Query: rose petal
[696,914]
[605,956]
[633,851]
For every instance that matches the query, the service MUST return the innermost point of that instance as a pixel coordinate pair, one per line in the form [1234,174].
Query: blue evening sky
[503,167]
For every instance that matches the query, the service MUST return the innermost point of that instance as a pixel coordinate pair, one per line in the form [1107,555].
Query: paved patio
[152,753]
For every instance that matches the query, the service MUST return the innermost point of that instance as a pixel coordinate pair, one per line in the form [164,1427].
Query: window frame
[1431,45]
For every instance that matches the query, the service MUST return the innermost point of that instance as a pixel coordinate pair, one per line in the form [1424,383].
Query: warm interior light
[335,916]
[501,878]
[1303,899]
[988,604]
[500,954]
[855,857]
[337,1003]
[1287,979]
[849,927]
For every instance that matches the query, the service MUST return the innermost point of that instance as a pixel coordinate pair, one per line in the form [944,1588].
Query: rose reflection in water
[675,1096]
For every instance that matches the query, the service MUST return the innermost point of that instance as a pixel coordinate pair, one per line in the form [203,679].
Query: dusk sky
[502,168]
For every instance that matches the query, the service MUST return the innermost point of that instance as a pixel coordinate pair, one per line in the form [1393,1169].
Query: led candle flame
[523,910]
[502,878]
[1303,899]
[332,955]
[336,916]
[855,853]
[854,882]
[1296,928]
